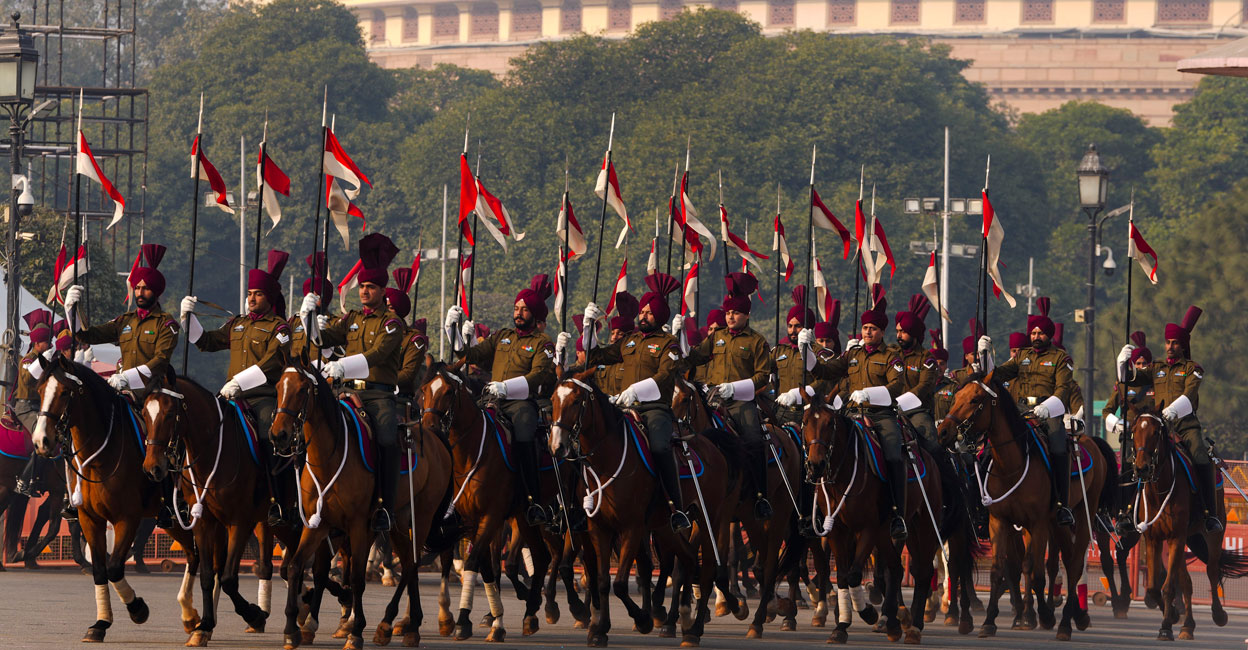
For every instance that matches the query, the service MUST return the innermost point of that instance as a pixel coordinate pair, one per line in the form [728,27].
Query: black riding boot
[670,479]
[168,499]
[762,507]
[1061,487]
[1206,487]
[32,476]
[276,494]
[388,479]
[526,463]
[897,488]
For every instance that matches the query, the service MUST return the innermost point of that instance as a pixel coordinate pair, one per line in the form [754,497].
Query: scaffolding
[114,105]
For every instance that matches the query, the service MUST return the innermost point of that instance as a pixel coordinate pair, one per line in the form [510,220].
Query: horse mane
[325,399]
[474,384]
[1013,417]
[95,385]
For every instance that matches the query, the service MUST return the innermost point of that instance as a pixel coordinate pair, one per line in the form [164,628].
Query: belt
[1031,400]
[360,384]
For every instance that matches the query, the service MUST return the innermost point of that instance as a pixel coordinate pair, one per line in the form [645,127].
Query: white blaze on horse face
[40,435]
[152,408]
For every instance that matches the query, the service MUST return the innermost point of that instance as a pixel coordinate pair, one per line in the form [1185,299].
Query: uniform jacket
[377,335]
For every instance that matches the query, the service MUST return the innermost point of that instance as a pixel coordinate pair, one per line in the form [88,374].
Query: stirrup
[577,521]
[762,509]
[164,517]
[68,512]
[1213,524]
[680,521]
[276,516]
[382,522]
[26,489]
[1065,517]
[1124,526]
[535,514]
[897,530]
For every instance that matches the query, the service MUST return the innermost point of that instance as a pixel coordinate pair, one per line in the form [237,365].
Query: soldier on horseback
[785,360]
[522,362]
[648,360]
[371,338]
[415,341]
[738,365]
[1176,389]
[317,284]
[258,343]
[921,373]
[25,398]
[1041,380]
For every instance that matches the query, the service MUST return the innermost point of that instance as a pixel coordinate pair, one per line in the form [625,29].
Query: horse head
[163,411]
[968,419]
[688,407]
[439,395]
[58,387]
[295,390]
[571,401]
[1148,438]
[822,429]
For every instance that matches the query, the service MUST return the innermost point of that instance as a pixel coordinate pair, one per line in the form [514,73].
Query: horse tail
[1233,564]
[1111,497]
[730,446]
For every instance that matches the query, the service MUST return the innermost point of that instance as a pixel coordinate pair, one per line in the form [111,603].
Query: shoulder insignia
[1199,372]
[929,362]
[674,356]
[391,329]
[283,338]
[172,325]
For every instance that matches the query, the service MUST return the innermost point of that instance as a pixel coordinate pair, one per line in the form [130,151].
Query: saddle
[722,420]
[500,426]
[875,454]
[636,429]
[1083,458]
[360,427]
[1185,461]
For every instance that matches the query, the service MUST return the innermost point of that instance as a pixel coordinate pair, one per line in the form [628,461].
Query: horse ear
[586,375]
[988,377]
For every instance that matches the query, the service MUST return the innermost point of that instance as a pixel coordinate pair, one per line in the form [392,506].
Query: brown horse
[983,409]
[855,499]
[101,438]
[624,506]
[14,505]
[1164,506]
[335,493]
[767,538]
[479,475]
[227,491]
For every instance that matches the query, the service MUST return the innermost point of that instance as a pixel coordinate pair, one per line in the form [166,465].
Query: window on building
[445,21]
[377,31]
[526,18]
[731,5]
[1037,11]
[841,12]
[968,11]
[619,15]
[904,12]
[1109,11]
[668,9]
[780,13]
[1183,11]
[570,17]
[411,24]
[484,24]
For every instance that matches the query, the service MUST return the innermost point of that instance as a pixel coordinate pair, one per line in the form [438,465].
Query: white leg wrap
[528,560]
[124,591]
[467,583]
[845,611]
[186,595]
[495,601]
[444,594]
[719,596]
[822,608]
[103,606]
[859,596]
[264,595]
[311,624]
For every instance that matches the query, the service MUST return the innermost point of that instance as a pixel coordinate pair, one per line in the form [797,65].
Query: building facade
[1031,54]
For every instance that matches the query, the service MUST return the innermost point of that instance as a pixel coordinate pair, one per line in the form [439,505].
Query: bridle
[574,439]
[829,472]
[174,446]
[444,416]
[1154,449]
[297,444]
[963,426]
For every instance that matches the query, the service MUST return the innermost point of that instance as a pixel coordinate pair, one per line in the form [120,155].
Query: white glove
[561,343]
[1125,355]
[593,313]
[309,304]
[118,381]
[322,321]
[860,396]
[72,296]
[678,323]
[789,397]
[724,391]
[984,345]
[1118,428]
[469,331]
[1041,411]
[188,306]
[230,390]
[627,397]
[88,355]
[453,316]
[333,370]
[496,389]
[80,356]
[1170,413]
[805,337]
[853,344]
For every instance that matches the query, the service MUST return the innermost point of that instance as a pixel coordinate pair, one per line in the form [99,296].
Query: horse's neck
[204,438]
[1008,452]
[846,439]
[467,429]
[322,431]
[91,439]
[609,446]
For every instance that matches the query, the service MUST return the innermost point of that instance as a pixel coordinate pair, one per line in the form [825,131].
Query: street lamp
[1093,187]
[19,62]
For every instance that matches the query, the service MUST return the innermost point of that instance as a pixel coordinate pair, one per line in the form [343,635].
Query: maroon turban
[661,285]
[627,308]
[740,286]
[152,254]
[1041,320]
[1018,340]
[1058,330]
[270,281]
[1183,330]
[535,297]
[376,253]
[319,283]
[911,321]
[39,322]
[397,296]
[60,329]
[1141,350]
[420,325]
[877,315]
[938,347]
[716,317]
[806,319]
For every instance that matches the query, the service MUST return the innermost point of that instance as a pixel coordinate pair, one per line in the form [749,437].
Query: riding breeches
[789,415]
[749,425]
[885,425]
[925,426]
[1189,431]
[1056,430]
[523,416]
[263,406]
[659,425]
[381,408]
[27,412]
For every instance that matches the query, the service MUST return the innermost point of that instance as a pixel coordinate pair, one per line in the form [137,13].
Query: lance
[260,190]
[1122,385]
[459,246]
[420,249]
[983,269]
[73,319]
[602,225]
[190,285]
[810,268]
[472,266]
[862,262]
[320,188]
[671,213]
[775,251]
[862,174]
[723,228]
[562,267]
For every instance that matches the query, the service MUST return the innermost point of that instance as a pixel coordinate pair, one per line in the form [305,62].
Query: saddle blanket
[643,448]
[15,443]
[721,421]
[1084,458]
[875,455]
[363,434]
[1185,461]
[502,433]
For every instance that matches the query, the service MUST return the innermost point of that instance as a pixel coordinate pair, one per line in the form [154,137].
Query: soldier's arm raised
[103,333]
[214,340]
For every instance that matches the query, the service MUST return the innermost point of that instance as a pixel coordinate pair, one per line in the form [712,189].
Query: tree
[1201,153]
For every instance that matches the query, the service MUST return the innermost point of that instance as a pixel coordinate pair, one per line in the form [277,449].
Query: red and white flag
[561,272]
[1142,252]
[467,198]
[779,246]
[274,181]
[689,219]
[652,262]
[574,237]
[87,166]
[349,281]
[828,221]
[338,164]
[690,291]
[860,229]
[494,216]
[341,207]
[931,287]
[206,172]
[621,284]
[64,272]
[608,185]
[416,268]
[736,243]
[994,235]
[882,255]
[823,299]
[465,279]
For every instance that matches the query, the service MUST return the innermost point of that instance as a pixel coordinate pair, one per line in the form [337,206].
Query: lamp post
[1093,187]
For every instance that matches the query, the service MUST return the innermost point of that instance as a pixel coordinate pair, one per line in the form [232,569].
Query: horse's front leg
[93,530]
[295,562]
[254,615]
[360,539]
[600,617]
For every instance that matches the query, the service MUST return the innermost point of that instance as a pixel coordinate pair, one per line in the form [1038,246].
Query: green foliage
[38,260]
[1201,153]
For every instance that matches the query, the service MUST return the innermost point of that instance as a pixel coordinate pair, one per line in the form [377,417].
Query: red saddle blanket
[501,430]
[362,431]
[637,432]
[15,443]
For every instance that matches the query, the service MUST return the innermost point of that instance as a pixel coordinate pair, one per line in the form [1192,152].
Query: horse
[984,410]
[624,505]
[191,429]
[1165,503]
[336,488]
[838,463]
[12,462]
[103,443]
[694,414]
[479,475]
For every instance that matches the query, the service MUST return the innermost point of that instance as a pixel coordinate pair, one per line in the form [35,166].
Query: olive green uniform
[1170,380]
[415,347]
[25,397]
[920,375]
[786,364]
[147,341]
[261,342]
[1036,375]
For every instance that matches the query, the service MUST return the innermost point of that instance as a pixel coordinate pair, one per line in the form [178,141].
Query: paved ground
[51,608]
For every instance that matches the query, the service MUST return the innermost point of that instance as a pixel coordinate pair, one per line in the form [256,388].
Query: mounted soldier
[921,374]
[415,340]
[318,284]
[258,343]
[946,387]
[786,362]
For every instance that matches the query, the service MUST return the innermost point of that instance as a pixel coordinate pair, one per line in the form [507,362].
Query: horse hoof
[496,635]
[785,607]
[255,628]
[743,611]
[789,625]
[343,631]
[894,633]
[138,611]
[354,642]
[291,642]
[308,637]
[199,639]
[987,630]
[411,640]
[383,634]
[445,626]
[578,624]
[191,623]
[1047,620]
[643,624]
[818,621]
[463,632]
[914,636]
[531,626]
[388,581]
[903,615]
[838,636]
[1063,633]
[871,617]
[965,626]
[597,641]
[721,609]
[1165,635]
[1186,634]
[874,595]
[552,613]
[690,641]
[486,621]
[1122,613]
[754,632]
[1219,617]
[1082,620]
[667,631]
[929,616]
[950,621]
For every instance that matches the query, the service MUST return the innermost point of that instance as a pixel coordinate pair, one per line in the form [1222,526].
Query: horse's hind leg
[263,570]
[123,539]
[446,623]
[1214,571]
[253,614]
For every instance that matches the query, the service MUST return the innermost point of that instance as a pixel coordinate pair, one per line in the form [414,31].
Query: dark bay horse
[1164,507]
[14,504]
[100,436]
[856,500]
[627,507]
[221,478]
[983,409]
